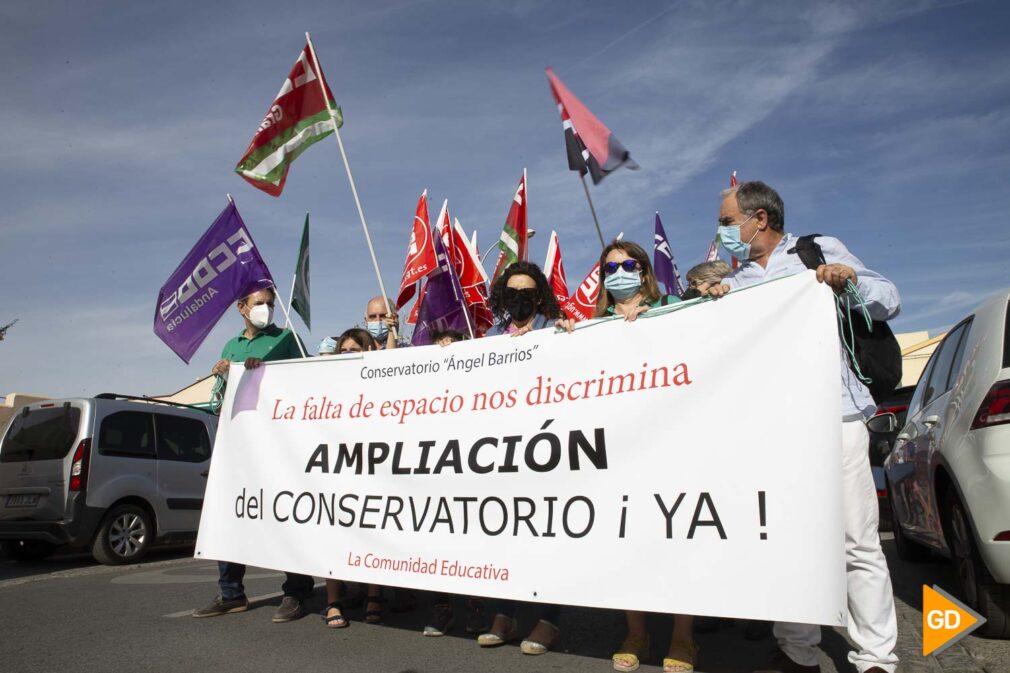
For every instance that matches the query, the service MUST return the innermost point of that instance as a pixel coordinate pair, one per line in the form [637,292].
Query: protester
[384,327]
[521,301]
[629,288]
[354,340]
[447,337]
[328,346]
[752,228]
[629,285]
[260,341]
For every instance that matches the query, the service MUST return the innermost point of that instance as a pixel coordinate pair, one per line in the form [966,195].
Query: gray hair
[709,272]
[754,195]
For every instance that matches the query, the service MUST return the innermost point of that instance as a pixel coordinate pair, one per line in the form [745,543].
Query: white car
[949,472]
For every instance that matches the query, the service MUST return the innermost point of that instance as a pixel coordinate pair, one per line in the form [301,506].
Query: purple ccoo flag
[443,307]
[222,267]
[664,263]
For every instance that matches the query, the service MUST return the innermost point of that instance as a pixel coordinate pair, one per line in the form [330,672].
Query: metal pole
[592,210]
[350,178]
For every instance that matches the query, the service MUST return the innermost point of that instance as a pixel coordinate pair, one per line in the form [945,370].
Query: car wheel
[124,536]
[983,593]
[27,551]
[908,550]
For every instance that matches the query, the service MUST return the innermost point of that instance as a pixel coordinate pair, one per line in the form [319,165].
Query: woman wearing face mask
[521,301]
[629,284]
[354,340]
[630,289]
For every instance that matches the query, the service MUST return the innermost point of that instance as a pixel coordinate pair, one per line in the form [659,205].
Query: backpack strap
[809,251]
[666,300]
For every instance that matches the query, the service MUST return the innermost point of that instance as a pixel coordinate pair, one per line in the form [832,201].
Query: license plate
[25,500]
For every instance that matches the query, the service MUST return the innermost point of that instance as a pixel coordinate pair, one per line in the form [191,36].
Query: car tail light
[891,409]
[1002,537]
[881,492]
[995,408]
[79,466]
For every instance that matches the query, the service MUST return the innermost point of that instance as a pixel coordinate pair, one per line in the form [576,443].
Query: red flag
[514,241]
[591,146]
[732,179]
[471,275]
[420,253]
[555,271]
[297,118]
[412,318]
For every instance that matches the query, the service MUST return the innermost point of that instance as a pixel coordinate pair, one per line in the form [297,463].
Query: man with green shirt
[260,341]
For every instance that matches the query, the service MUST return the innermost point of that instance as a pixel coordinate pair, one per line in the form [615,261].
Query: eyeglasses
[515,292]
[628,265]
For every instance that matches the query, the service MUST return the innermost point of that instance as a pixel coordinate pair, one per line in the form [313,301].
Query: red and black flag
[592,148]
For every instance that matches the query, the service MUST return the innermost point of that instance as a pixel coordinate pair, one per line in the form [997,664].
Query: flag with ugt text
[591,147]
[420,253]
[468,269]
[513,245]
[442,306]
[663,262]
[298,118]
[554,269]
[582,304]
[300,290]
[224,266]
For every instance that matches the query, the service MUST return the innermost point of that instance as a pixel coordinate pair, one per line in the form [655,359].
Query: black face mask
[521,304]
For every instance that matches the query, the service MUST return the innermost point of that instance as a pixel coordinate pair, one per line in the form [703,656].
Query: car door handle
[931,420]
[205,473]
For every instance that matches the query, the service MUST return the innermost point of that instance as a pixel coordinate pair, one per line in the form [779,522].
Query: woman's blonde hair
[650,287]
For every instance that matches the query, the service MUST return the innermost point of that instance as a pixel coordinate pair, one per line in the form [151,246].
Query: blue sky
[886,124]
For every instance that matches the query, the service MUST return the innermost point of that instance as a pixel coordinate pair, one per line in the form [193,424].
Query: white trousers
[872,624]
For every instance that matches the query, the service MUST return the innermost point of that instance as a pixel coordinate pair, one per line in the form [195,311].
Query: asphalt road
[70,614]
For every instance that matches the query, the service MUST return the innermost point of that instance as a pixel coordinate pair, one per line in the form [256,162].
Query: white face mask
[261,315]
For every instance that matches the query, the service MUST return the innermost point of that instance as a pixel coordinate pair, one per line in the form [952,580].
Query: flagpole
[350,178]
[526,195]
[599,233]
[287,318]
[291,298]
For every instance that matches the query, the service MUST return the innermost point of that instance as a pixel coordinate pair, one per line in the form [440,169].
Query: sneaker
[476,619]
[781,663]
[222,606]
[441,621]
[290,609]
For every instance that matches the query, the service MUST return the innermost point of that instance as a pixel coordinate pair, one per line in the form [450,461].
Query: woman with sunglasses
[521,301]
[629,289]
[629,284]
[354,340]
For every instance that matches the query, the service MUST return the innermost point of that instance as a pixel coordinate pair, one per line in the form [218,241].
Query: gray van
[111,473]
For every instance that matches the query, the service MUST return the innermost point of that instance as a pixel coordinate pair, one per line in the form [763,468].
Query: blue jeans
[549,612]
[230,581]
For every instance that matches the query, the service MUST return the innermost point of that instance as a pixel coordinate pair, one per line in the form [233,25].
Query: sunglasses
[628,265]
[513,293]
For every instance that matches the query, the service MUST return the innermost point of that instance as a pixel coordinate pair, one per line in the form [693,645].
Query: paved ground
[69,614]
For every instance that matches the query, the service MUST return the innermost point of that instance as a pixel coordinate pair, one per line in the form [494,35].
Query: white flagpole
[291,298]
[287,317]
[350,178]
[526,206]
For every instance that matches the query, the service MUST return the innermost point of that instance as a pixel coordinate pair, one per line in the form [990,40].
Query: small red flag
[420,253]
[555,271]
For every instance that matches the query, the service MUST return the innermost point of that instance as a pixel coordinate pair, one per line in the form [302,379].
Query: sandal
[337,621]
[499,636]
[537,646]
[631,652]
[681,657]
[374,616]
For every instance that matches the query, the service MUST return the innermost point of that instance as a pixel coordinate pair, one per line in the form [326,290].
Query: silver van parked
[111,473]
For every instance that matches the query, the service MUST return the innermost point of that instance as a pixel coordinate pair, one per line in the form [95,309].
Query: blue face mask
[377,328]
[327,346]
[729,239]
[623,284]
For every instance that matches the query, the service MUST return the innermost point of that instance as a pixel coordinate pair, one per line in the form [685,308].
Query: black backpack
[878,354]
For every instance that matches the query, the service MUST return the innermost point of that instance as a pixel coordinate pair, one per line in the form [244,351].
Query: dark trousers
[548,612]
[230,581]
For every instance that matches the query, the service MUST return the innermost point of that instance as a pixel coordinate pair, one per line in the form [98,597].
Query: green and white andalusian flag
[300,289]
[513,245]
[298,118]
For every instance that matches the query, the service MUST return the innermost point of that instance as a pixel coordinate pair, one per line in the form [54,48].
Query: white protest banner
[686,462]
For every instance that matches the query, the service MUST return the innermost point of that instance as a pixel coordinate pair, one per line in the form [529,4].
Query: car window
[127,433]
[182,439]
[916,402]
[937,384]
[955,368]
[41,434]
